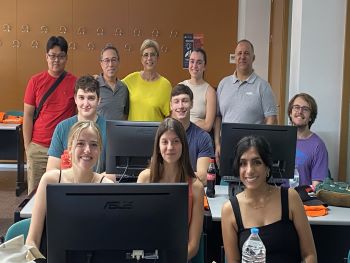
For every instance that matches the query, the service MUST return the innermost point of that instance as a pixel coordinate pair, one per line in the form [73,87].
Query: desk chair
[202,250]
[18,228]
[15,113]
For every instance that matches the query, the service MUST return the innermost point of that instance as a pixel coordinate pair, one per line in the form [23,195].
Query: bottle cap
[254,230]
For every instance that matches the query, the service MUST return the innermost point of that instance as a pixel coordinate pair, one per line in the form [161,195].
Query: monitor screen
[129,146]
[282,140]
[98,223]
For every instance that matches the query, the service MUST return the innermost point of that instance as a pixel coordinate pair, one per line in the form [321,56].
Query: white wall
[254,25]
[316,57]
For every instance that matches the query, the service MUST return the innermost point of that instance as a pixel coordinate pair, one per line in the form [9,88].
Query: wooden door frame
[279,33]
[344,118]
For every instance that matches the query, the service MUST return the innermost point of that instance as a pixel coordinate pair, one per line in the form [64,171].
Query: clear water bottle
[295,181]
[211,178]
[253,248]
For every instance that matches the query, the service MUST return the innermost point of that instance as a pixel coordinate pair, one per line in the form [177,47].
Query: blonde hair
[148,43]
[76,130]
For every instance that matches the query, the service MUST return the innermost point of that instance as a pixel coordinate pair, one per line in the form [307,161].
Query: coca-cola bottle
[211,178]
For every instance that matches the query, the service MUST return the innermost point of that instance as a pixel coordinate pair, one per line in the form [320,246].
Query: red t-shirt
[59,105]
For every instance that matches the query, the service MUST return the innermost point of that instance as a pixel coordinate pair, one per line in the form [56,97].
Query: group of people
[183,146]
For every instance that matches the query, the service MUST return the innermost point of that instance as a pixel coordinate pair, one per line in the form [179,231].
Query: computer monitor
[282,140]
[129,146]
[98,223]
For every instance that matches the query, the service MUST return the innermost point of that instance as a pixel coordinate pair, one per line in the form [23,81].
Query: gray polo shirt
[113,105]
[248,101]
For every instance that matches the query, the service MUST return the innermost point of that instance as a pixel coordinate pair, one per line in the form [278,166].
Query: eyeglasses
[146,55]
[301,108]
[112,60]
[53,57]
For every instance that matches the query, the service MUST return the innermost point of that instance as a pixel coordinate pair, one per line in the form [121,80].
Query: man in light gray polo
[243,97]
[114,103]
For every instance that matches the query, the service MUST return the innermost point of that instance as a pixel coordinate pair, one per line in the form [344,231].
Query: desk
[12,148]
[336,215]
[331,232]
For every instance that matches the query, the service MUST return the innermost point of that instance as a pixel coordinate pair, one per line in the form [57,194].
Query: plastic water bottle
[295,181]
[253,248]
[211,178]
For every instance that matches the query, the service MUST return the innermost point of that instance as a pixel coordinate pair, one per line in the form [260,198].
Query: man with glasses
[311,154]
[114,103]
[58,106]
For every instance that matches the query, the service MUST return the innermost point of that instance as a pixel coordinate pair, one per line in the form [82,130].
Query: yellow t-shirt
[149,100]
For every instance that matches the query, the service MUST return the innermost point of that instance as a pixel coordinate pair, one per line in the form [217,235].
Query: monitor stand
[142,255]
[235,187]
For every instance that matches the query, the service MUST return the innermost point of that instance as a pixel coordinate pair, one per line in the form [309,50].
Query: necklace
[262,204]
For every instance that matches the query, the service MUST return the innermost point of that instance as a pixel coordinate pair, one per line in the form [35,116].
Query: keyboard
[230,179]
[234,179]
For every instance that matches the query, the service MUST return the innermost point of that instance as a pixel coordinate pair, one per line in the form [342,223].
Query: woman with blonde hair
[170,163]
[149,92]
[84,146]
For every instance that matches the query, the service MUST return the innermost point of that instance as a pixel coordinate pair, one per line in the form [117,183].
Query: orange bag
[13,119]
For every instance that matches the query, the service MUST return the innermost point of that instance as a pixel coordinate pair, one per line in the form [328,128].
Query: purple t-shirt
[311,159]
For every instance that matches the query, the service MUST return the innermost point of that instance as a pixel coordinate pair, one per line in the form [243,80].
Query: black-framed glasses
[301,108]
[53,57]
[112,60]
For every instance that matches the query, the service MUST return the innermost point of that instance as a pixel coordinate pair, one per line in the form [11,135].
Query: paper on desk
[15,251]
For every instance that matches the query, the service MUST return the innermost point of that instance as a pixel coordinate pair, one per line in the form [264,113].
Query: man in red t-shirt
[58,106]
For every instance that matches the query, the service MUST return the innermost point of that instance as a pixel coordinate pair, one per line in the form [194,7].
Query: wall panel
[124,23]
[9,93]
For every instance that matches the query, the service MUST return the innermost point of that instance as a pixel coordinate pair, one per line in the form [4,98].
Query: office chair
[201,256]
[15,113]
[18,228]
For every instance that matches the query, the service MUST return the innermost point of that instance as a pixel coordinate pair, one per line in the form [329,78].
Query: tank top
[199,109]
[59,178]
[280,238]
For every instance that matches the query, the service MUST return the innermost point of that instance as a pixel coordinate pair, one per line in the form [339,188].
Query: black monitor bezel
[107,218]
[128,153]
[285,140]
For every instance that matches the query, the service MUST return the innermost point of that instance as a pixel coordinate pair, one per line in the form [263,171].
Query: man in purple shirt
[311,154]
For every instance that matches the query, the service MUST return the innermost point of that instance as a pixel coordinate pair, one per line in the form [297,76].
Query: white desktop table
[336,215]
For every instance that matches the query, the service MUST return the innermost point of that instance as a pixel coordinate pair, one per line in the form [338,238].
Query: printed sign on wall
[187,49]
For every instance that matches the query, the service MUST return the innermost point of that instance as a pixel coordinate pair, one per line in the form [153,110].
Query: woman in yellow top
[149,92]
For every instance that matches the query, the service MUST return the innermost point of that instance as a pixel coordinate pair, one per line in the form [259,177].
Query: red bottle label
[211,177]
